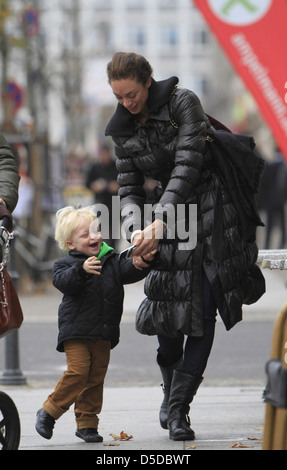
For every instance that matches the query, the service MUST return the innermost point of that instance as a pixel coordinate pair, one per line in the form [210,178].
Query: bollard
[275,428]
[12,374]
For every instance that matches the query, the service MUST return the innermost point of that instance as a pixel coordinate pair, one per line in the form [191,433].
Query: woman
[160,131]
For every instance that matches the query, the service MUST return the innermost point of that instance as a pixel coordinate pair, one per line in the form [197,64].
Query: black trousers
[196,350]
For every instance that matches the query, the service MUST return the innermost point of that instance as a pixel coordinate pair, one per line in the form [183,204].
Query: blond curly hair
[67,220]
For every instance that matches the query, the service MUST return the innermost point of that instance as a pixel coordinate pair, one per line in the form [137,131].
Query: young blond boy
[91,277]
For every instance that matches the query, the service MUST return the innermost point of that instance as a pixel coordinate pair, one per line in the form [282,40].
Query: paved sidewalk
[224,418]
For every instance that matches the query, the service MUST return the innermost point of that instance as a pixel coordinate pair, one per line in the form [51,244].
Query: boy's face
[86,238]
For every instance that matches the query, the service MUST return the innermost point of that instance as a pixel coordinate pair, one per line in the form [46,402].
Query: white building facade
[171,34]
[75,40]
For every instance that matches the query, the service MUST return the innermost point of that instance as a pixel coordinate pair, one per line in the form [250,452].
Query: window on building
[168,4]
[101,3]
[200,36]
[136,35]
[168,35]
[199,84]
[136,3]
[102,37]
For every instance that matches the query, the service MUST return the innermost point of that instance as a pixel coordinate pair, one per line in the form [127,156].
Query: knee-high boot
[167,373]
[183,389]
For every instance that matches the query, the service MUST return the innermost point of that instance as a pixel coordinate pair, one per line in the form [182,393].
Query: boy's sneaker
[89,435]
[44,424]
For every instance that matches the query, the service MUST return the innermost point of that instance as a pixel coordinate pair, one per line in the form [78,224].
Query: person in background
[274,192]
[101,178]
[9,176]
[9,184]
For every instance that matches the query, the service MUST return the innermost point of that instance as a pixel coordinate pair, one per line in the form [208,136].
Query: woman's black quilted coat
[171,147]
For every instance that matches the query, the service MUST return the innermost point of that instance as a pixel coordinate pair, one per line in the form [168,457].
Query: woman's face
[131,94]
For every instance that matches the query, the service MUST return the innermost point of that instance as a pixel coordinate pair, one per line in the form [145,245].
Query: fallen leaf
[111,445]
[122,437]
[190,447]
[254,438]
[125,437]
[239,444]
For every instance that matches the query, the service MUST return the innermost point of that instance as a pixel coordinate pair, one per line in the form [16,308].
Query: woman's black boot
[183,389]
[167,373]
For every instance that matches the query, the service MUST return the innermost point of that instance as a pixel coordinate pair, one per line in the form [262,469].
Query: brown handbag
[11,315]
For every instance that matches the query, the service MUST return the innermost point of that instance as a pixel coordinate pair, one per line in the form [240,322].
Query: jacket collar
[123,122]
[79,254]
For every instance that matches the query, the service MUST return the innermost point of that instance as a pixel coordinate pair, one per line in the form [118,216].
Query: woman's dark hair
[129,65]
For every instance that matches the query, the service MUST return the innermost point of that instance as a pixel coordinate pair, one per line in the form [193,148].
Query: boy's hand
[139,261]
[92,265]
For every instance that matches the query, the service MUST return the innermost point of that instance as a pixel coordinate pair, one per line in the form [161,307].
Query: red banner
[253,33]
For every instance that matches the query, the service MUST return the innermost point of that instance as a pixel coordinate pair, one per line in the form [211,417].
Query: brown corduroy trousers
[82,383]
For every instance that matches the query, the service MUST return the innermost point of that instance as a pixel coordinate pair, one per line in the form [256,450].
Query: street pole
[12,374]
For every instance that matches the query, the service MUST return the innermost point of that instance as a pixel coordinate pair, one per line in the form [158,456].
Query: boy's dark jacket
[92,304]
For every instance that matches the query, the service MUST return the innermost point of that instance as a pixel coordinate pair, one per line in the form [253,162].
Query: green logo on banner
[245,3]
[240,12]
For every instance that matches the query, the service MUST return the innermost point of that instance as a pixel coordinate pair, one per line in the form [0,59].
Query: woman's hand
[148,239]
[139,261]
[92,265]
